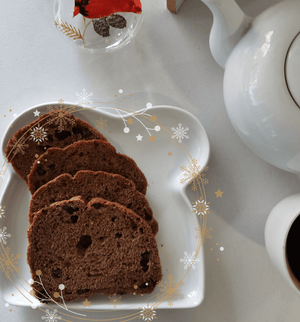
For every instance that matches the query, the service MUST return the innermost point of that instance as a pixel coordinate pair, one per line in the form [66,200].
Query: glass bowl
[95,35]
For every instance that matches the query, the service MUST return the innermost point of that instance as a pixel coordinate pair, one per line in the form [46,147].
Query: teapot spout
[229,25]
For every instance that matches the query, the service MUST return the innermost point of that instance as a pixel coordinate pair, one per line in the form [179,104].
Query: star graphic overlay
[86,303]
[219,193]
[139,137]
[36,113]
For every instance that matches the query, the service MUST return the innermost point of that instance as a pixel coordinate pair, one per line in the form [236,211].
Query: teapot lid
[292,69]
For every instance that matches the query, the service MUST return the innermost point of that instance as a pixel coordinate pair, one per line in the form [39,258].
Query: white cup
[277,228]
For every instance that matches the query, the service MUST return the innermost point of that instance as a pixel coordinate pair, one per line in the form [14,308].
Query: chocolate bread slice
[54,129]
[94,155]
[99,247]
[90,184]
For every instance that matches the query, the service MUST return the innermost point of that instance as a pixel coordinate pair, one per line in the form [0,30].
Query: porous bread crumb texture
[99,247]
[74,130]
[94,155]
[90,184]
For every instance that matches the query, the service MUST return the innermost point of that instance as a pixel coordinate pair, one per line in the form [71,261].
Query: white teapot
[261,57]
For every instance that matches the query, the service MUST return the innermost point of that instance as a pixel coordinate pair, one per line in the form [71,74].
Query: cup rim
[295,280]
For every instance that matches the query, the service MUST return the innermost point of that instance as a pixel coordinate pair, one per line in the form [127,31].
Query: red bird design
[104,8]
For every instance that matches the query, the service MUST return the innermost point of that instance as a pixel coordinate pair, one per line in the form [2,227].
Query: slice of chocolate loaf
[94,155]
[99,247]
[54,129]
[90,184]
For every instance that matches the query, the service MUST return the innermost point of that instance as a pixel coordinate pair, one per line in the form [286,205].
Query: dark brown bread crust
[99,247]
[90,184]
[61,129]
[94,155]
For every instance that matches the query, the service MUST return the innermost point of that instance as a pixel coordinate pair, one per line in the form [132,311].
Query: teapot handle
[229,25]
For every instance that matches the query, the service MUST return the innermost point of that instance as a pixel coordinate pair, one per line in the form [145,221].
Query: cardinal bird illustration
[104,8]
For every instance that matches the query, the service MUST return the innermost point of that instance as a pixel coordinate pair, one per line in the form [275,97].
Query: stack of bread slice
[91,229]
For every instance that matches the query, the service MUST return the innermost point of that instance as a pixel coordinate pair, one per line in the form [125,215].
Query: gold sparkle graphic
[170,153]
[20,146]
[201,207]
[114,300]
[61,120]
[86,303]
[9,263]
[38,134]
[152,138]
[170,291]
[193,173]
[61,107]
[101,123]
[56,295]
[147,313]
[219,193]
[204,180]
[203,234]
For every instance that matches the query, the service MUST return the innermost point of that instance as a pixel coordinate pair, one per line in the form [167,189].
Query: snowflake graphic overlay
[189,260]
[51,316]
[38,134]
[9,262]
[179,133]
[101,123]
[62,119]
[200,207]
[203,234]
[83,98]
[147,313]
[2,211]
[114,300]
[4,235]
[194,173]
[193,297]
[19,146]
[61,108]
[170,291]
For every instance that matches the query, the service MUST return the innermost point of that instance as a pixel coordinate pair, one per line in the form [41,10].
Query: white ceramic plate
[161,161]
